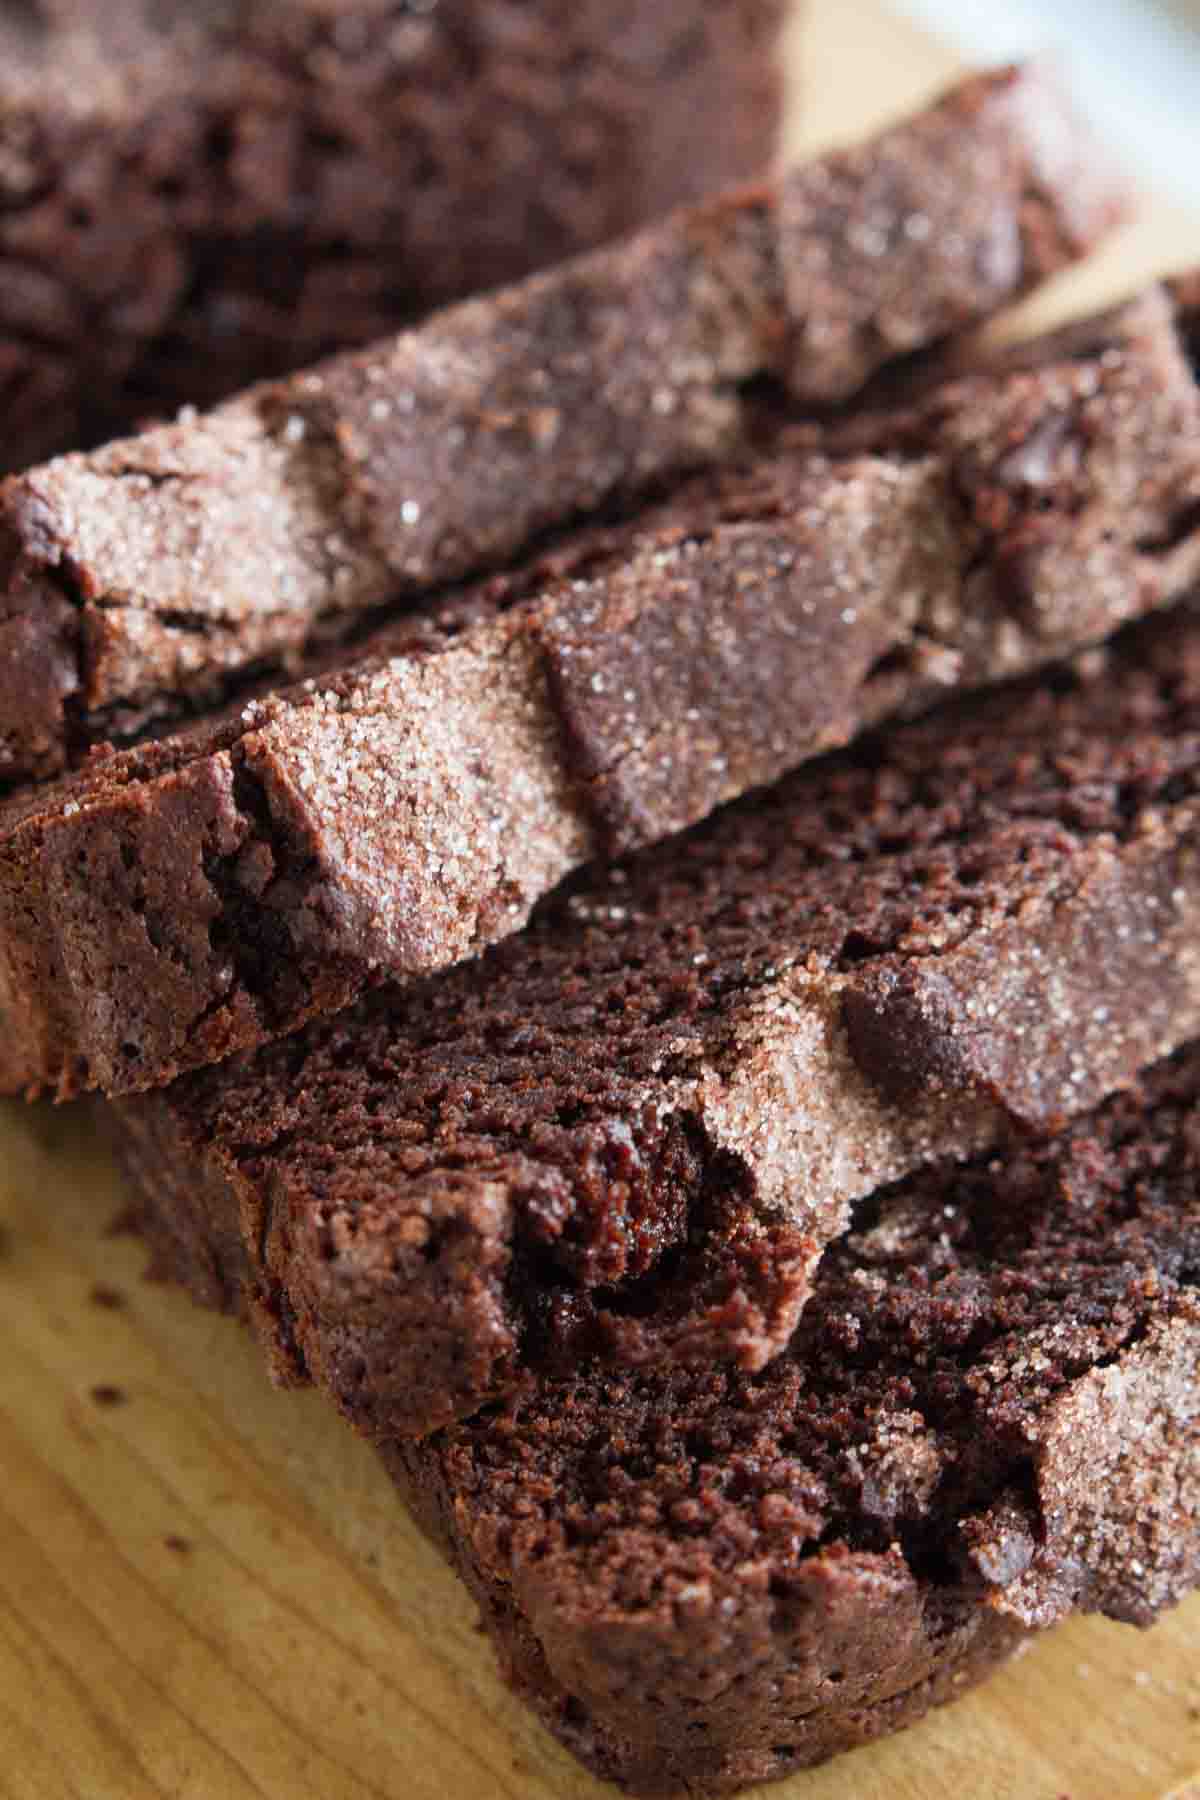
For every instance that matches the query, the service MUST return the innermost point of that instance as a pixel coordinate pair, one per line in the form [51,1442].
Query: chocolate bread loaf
[152,575]
[190,897]
[194,196]
[989,1416]
[681,1075]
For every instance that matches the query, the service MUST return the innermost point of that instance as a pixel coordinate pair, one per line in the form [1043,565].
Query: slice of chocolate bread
[988,1418]
[188,898]
[195,194]
[155,573]
[679,1077]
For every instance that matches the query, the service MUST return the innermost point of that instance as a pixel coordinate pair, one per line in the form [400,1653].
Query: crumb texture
[985,1419]
[698,1059]
[988,1413]
[204,195]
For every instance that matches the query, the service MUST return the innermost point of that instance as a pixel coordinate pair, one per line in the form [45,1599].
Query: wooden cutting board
[208,1590]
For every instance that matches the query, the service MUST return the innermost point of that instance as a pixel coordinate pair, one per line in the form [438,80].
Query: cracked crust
[701,1058]
[207,194]
[397,812]
[987,1417]
[143,578]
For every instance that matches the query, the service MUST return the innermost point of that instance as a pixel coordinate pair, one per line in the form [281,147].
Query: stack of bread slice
[627,863]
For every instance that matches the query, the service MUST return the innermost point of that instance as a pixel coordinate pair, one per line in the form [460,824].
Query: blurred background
[1133,64]
[1136,63]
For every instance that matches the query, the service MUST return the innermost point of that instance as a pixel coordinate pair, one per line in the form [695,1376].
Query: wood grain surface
[209,1591]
